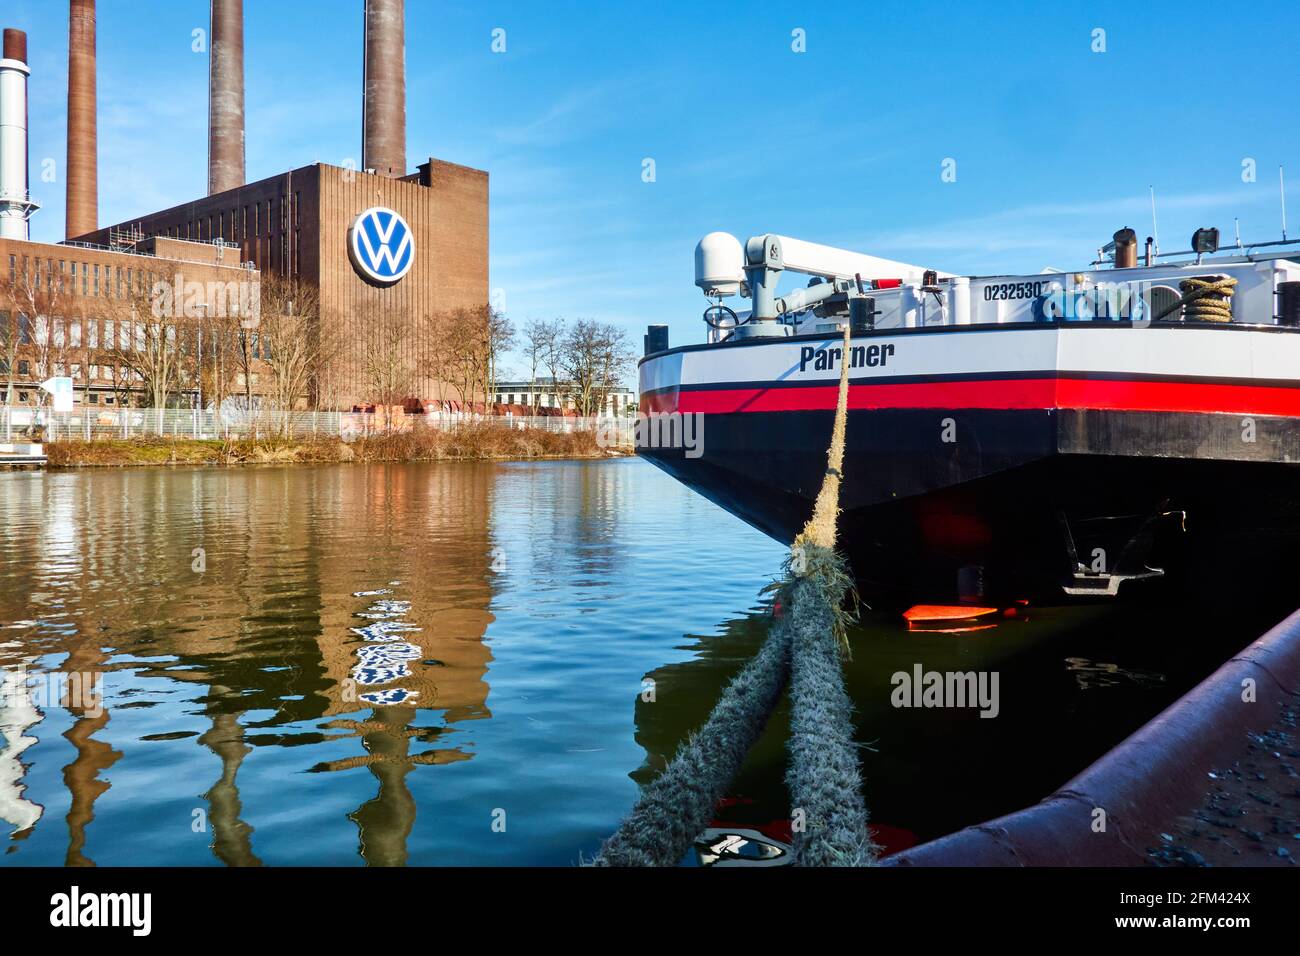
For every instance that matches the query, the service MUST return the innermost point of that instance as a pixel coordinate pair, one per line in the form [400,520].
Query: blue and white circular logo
[381,245]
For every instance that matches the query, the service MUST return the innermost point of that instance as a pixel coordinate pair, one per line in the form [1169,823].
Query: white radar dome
[719,264]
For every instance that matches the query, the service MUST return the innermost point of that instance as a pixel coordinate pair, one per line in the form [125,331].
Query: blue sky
[1055,145]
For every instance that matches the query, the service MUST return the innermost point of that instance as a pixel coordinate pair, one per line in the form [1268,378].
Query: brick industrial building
[297,224]
[301,223]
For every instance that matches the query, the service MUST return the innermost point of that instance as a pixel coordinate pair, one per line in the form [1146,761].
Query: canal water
[471,664]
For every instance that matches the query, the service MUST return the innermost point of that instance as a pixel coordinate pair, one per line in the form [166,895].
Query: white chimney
[15,203]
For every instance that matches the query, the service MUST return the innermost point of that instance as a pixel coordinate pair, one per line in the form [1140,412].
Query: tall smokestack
[383,144]
[15,203]
[82,170]
[226,97]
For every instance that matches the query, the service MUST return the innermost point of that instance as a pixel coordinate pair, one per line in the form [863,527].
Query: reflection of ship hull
[1022,481]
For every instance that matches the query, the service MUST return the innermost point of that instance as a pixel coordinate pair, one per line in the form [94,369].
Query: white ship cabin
[1242,284]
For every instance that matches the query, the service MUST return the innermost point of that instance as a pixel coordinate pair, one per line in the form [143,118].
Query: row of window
[77,278]
[92,399]
[125,336]
[614,400]
[43,370]
[253,220]
[250,223]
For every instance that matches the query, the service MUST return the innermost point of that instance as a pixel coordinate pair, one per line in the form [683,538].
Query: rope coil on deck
[1204,299]
[804,646]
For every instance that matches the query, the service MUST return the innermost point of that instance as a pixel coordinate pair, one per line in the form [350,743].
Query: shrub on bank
[469,441]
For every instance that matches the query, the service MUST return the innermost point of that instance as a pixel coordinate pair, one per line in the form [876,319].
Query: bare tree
[33,299]
[594,357]
[498,337]
[296,346]
[541,338]
[553,356]
[387,367]
[154,344]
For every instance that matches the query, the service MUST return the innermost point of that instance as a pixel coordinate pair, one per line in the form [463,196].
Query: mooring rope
[829,817]
[825,773]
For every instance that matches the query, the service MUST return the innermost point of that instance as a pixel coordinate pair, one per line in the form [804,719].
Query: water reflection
[194,642]
[17,716]
[231,593]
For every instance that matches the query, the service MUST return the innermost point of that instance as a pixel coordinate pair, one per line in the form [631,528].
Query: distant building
[552,398]
[394,256]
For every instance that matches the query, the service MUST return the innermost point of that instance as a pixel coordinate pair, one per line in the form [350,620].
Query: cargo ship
[1064,434]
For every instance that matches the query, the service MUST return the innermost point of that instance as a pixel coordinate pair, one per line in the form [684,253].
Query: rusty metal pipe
[1126,249]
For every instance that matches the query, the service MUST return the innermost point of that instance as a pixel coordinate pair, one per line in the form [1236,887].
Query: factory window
[74,334]
[118,275]
[37,265]
[4,329]
[63,268]
[24,330]
[24,368]
[93,398]
[92,333]
[297,207]
[108,333]
[257,219]
[96,279]
[85,279]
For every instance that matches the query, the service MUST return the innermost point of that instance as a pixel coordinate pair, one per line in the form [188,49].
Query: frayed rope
[805,646]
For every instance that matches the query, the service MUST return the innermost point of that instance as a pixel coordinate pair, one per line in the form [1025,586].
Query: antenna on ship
[1155,232]
[1281,185]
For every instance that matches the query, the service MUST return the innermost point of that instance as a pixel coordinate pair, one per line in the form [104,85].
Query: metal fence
[19,423]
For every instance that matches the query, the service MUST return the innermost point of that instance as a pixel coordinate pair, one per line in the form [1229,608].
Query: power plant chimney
[83,148]
[15,203]
[383,144]
[226,97]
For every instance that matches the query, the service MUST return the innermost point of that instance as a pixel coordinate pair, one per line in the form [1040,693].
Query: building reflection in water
[18,713]
[241,584]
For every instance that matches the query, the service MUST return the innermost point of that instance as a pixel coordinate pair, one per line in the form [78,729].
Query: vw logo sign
[381,245]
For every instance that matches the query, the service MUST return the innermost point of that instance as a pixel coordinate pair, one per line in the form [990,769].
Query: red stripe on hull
[1044,393]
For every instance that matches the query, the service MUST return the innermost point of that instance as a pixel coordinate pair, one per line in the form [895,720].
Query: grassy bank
[471,442]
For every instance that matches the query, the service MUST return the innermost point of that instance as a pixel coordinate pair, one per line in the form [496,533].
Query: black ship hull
[1179,483]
